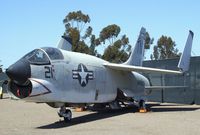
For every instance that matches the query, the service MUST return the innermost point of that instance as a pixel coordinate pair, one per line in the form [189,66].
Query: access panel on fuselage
[100,79]
[106,90]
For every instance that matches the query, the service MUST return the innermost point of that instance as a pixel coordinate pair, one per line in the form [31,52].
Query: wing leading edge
[164,87]
[130,68]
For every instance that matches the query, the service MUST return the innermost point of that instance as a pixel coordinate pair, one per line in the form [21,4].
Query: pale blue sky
[29,24]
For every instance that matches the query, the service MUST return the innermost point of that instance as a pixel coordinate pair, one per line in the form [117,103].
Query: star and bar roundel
[82,74]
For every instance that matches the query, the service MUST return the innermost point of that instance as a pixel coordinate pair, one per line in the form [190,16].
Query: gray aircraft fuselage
[79,78]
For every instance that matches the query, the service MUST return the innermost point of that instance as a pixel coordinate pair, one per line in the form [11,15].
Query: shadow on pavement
[107,113]
[89,118]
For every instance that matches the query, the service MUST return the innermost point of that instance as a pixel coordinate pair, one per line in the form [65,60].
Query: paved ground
[22,118]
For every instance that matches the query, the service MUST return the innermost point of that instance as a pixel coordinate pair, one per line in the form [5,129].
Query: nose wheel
[65,113]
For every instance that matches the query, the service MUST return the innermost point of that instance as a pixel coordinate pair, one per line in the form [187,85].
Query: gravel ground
[22,118]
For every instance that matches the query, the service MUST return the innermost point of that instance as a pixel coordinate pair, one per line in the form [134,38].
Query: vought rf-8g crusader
[62,78]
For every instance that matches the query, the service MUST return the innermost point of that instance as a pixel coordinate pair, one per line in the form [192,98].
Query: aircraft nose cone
[19,71]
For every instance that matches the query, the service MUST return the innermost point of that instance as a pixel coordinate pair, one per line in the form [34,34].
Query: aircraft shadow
[173,108]
[89,118]
[107,113]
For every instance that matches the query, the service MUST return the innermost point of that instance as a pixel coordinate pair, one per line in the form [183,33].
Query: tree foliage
[93,41]
[76,20]
[88,32]
[118,51]
[1,67]
[165,49]
[148,41]
[109,33]
[74,23]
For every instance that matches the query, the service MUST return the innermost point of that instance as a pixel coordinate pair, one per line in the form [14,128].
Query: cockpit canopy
[53,53]
[44,55]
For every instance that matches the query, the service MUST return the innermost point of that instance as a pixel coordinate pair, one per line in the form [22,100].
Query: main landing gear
[65,113]
[142,106]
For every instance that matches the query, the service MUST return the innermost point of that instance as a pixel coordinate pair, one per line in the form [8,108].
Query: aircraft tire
[69,116]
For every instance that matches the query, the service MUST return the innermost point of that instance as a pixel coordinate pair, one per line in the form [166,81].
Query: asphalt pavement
[23,118]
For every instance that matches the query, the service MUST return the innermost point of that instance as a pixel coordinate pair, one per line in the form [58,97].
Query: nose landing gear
[65,113]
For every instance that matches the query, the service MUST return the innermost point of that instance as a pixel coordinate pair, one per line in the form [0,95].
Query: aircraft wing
[165,87]
[121,67]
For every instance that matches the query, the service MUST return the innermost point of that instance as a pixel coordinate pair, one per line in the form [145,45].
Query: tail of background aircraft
[184,61]
[65,43]
[137,54]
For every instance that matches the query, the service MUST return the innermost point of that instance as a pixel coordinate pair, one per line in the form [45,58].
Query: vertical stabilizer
[137,54]
[65,43]
[184,61]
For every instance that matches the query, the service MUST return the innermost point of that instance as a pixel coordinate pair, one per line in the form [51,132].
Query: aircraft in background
[62,78]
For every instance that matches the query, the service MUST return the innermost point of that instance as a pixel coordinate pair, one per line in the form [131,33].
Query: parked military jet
[62,78]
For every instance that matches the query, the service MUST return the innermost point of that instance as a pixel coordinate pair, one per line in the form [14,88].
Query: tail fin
[137,54]
[65,43]
[184,61]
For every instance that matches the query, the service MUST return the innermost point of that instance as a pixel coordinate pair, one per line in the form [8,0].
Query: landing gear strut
[142,106]
[65,113]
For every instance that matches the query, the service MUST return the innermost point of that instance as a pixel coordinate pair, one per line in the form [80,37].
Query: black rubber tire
[68,119]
